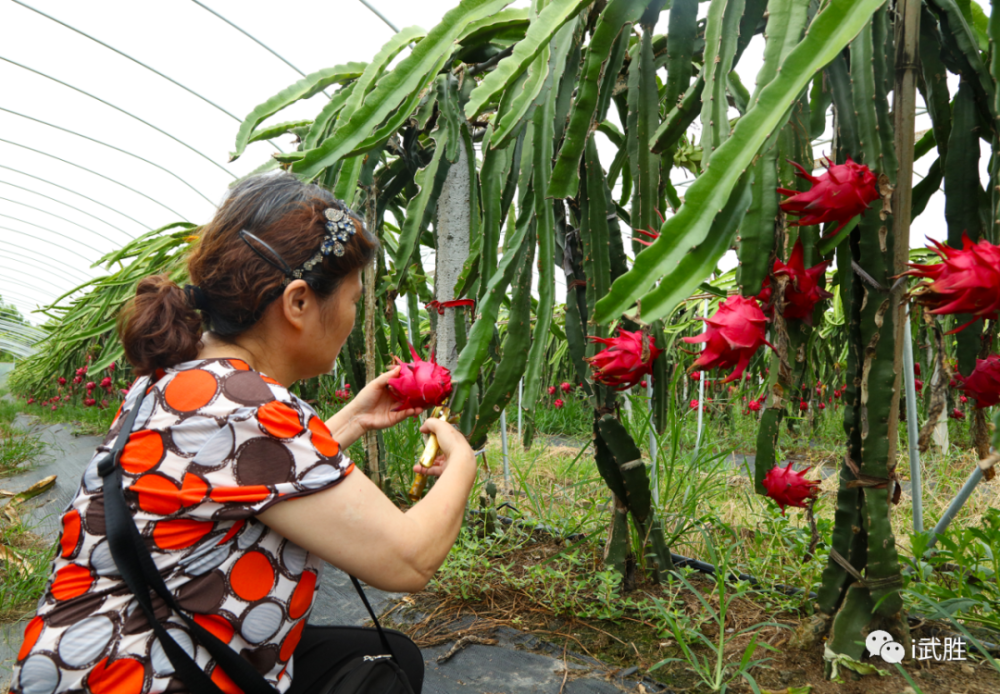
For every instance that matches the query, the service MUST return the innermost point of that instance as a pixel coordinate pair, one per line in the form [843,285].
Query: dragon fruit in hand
[420,383]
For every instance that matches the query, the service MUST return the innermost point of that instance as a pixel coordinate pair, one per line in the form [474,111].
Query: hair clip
[339,228]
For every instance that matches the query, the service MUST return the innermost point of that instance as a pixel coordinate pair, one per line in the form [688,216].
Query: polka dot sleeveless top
[214,443]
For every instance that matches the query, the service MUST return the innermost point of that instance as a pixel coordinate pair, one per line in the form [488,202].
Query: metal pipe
[912,428]
[701,390]
[654,474]
[503,448]
[956,504]
[520,395]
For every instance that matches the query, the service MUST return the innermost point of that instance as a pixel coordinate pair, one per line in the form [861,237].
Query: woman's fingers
[440,463]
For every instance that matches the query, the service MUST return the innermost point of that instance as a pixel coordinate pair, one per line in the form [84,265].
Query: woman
[238,488]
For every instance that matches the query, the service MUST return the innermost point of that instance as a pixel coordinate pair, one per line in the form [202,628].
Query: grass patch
[88,421]
[22,580]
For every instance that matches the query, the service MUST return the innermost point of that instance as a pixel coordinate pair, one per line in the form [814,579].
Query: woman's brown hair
[161,325]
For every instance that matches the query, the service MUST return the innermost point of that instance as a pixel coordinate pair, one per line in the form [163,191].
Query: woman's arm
[355,527]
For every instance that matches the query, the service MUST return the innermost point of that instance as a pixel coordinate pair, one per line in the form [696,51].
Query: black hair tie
[196,297]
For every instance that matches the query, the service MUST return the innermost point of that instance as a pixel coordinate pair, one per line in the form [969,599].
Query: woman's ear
[295,302]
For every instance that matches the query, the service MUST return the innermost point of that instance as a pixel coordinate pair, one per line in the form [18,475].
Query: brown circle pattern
[214,444]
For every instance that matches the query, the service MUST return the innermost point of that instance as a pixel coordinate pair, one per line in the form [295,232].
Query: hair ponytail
[159,327]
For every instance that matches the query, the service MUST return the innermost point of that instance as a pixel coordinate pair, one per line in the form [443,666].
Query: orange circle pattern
[180,533]
[322,439]
[223,682]
[291,641]
[279,420]
[72,581]
[217,625]
[190,502]
[303,595]
[31,633]
[71,533]
[143,452]
[193,490]
[123,676]
[190,390]
[157,494]
[252,577]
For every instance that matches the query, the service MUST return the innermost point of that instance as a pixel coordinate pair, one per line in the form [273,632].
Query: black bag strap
[139,572]
[381,634]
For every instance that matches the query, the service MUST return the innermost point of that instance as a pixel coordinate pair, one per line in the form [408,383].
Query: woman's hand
[372,409]
[453,448]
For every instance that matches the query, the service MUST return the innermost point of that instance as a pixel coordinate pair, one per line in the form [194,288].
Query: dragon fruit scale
[733,334]
[965,281]
[839,195]
[621,365]
[420,383]
[788,487]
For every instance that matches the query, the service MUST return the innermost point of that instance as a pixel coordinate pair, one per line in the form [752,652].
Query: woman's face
[338,314]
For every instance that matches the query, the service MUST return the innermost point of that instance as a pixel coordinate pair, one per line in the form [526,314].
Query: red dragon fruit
[839,195]
[965,281]
[804,289]
[788,487]
[754,405]
[733,334]
[552,390]
[957,414]
[620,365]
[983,384]
[558,403]
[420,383]
[565,387]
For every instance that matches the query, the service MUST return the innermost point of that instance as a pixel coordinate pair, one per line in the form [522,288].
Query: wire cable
[52,214]
[139,63]
[7,246]
[54,286]
[51,231]
[65,204]
[74,192]
[110,146]
[250,36]
[108,178]
[372,8]
[121,110]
